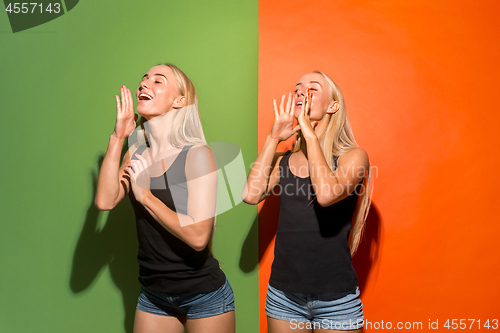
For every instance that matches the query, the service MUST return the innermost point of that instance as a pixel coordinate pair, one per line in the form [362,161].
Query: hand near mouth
[307,127]
[125,117]
[283,119]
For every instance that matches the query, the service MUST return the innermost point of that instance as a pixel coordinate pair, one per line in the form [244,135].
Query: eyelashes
[311,89]
[155,81]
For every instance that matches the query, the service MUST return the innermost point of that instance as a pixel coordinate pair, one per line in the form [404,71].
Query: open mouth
[145,97]
[299,104]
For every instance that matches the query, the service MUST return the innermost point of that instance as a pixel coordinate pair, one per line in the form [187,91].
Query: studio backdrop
[419,81]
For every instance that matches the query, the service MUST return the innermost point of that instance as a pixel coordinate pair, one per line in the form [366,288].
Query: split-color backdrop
[419,79]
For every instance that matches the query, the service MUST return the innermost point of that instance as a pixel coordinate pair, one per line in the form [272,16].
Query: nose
[300,92]
[144,84]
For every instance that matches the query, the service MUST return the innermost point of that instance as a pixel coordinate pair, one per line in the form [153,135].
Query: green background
[65,266]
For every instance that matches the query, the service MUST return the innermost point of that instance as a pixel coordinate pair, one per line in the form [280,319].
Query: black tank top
[167,264]
[311,254]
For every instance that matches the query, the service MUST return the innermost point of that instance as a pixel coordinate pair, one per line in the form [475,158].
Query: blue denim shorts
[315,311]
[192,306]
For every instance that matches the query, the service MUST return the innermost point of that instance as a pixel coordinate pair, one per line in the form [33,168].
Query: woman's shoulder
[197,151]
[200,157]
[354,156]
[279,155]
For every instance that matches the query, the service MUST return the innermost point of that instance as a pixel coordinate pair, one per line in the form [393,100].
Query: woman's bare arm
[265,174]
[331,186]
[112,185]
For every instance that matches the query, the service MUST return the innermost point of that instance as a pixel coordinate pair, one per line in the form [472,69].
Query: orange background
[418,78]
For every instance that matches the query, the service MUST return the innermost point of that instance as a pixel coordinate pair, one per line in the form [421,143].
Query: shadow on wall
[269,213]
[115,245]
[248,259]
[367,257]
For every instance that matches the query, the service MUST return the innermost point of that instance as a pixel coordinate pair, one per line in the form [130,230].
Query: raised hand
[306,126]
[125,117]
[283,119]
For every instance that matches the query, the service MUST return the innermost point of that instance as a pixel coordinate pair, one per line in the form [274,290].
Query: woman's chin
[142,114]
[145,112]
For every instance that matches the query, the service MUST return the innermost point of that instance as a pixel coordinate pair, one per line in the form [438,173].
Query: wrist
[272,139]
[311,139]
[115,138]
[145,197]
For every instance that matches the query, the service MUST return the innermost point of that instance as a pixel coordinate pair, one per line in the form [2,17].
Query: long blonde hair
[336,140]
[186,126]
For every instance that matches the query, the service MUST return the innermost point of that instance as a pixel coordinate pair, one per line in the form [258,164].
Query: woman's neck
[158,131]
[320,130]
[303,143]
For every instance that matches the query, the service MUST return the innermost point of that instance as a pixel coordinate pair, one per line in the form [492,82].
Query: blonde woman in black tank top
[324,189]
[171,179]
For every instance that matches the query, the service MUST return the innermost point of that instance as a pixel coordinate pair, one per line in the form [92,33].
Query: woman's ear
[333,107]
[179,102]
